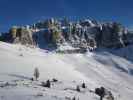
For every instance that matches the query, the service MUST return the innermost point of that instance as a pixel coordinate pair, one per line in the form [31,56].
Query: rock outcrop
[21,35]
[81,34]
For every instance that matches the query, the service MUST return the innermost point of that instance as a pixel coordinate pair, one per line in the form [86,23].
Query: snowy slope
[96,69]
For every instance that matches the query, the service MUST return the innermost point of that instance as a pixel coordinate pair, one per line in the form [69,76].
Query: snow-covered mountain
[60,51]
[112,69]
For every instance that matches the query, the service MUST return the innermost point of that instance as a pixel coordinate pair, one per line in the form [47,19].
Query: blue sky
[21,12]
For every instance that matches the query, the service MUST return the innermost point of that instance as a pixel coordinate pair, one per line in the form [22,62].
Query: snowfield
[96,69]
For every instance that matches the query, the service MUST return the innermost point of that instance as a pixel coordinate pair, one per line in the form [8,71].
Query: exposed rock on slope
[81,34]
[21,35]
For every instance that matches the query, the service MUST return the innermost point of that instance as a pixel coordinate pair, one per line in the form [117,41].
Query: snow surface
[96,69]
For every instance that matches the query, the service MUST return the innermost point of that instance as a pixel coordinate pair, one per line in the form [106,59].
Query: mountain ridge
[83,34]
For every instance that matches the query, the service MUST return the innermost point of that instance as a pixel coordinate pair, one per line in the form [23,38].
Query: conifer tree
[36,73]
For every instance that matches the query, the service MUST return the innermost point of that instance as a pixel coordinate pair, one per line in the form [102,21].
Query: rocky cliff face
[81,34]
[24,37]
[21,35]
